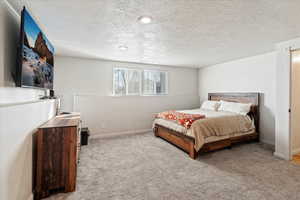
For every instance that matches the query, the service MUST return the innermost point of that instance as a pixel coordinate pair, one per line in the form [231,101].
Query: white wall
[17,124]
[20,114]
[253,74]
[88,83]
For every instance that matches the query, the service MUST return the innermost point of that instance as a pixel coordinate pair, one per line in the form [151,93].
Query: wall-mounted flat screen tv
[36,55]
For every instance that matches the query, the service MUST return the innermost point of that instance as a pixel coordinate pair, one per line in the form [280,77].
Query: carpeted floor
[142,167]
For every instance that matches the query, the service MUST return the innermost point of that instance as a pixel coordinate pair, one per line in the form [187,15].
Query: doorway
[295,106]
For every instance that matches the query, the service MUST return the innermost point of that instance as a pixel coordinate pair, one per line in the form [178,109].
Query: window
[119,81]
[126,81]
[130,82]
[154,82]
[133,82]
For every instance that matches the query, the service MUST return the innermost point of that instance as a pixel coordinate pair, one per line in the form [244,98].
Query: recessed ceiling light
[123,47]
[145,19]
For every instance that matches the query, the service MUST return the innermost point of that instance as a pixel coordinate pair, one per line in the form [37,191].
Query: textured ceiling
[192,33]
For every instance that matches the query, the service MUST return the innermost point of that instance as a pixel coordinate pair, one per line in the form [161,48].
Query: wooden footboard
[187,143]
[184,142]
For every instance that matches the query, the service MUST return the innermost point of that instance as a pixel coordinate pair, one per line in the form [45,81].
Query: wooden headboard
[238,97]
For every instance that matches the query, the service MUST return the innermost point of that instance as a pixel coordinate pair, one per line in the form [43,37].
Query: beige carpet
[142,167]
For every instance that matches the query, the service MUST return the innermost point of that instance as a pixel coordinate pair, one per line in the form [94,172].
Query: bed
[181,137]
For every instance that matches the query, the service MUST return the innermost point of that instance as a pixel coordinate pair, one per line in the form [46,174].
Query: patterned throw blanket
[182,119]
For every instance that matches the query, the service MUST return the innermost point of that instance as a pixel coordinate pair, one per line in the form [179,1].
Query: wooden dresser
[57,146]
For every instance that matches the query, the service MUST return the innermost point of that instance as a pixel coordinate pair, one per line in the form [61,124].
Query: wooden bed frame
[187,143]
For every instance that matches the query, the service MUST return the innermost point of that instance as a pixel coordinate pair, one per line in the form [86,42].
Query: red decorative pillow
[182,119]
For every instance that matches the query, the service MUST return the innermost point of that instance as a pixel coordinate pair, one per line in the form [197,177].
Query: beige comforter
[219,126]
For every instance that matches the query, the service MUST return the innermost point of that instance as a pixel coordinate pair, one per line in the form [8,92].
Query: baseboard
[30,197]
[117,134]
[296,151]
[279,155]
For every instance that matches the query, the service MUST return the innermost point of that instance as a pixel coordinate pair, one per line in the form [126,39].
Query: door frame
[283,147]
[291,95]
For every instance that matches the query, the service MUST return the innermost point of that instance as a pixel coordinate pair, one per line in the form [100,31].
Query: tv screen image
[37,55]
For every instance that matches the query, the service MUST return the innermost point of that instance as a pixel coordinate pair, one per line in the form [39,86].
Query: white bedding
[207,113]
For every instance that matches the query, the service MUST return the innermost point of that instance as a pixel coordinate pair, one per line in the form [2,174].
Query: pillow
[240,108]
[210,105]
